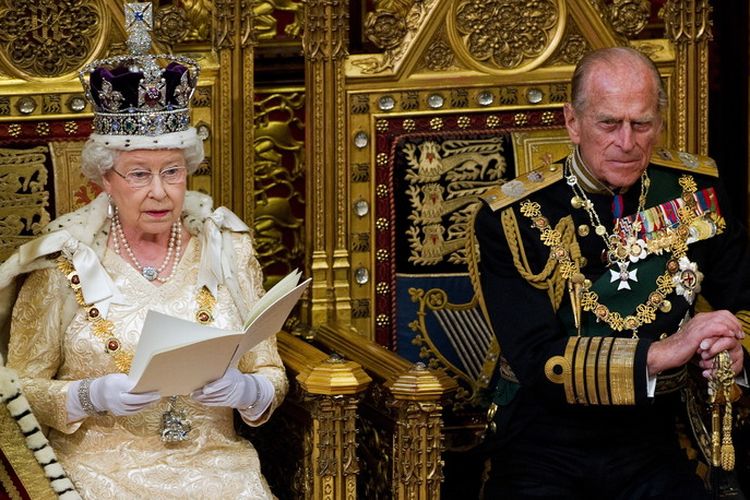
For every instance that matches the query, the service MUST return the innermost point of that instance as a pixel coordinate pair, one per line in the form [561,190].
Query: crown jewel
[140,94]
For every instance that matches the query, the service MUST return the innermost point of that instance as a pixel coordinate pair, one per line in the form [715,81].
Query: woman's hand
[235,389]
[111,393]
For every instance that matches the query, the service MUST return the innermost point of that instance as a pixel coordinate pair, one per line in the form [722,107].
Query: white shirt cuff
[650,384]
[741,379]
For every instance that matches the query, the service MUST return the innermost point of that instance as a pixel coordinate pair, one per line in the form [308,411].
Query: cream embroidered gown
[124,457]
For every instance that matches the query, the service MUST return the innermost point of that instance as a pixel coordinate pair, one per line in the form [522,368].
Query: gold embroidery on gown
[124,457]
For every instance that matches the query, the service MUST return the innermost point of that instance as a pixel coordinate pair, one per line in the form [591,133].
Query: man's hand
[711,347]
[709,333]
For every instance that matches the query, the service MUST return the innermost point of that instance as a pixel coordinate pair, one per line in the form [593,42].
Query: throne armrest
[401,425]
[308,448]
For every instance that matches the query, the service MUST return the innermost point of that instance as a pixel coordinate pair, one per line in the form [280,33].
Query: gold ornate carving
[414,20]
[325,43]
[337,445]
[572,48]
[171,24]
[202,97]
[224,160]
[406,410]
[23,196]
[265,21]
[439,56]
[360,308]
[401,7]
[500,37]
[417,443]
[72,188]
[629,17]
[279,179]
[327,31]
[224,18]
[688,25]
[330,388]
[385,29]
[537,148]
[247,30]
[314,36]
[50,39]
[687,21]
[198,14]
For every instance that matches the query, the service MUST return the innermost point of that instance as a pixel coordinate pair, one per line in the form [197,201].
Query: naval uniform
[577,418]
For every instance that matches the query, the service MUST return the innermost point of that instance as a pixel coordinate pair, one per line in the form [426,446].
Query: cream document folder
[175,356]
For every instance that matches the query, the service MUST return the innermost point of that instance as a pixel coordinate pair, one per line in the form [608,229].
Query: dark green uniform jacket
[592,388]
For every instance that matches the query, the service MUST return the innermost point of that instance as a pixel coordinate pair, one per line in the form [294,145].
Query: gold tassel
[727,448]
[722,394]
[715,435]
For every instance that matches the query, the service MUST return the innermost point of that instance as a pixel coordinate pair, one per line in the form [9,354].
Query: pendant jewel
[150,273]
[174,249]
[623,275]
[175,426]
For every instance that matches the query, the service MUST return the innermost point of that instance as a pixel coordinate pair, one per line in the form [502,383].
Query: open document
[175,356]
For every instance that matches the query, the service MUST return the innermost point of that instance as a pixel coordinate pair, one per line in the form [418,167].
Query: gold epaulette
[685,161]
[501,196]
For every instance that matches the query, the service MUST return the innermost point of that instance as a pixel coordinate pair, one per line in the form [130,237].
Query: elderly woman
[145,243]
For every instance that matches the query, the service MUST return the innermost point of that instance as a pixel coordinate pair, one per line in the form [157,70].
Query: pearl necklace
[149,272]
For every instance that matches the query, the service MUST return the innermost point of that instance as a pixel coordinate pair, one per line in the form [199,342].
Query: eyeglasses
[140,178]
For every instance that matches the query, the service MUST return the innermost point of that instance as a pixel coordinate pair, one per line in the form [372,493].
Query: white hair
[99,154]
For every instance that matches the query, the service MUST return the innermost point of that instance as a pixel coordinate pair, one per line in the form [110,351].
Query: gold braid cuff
[595,370]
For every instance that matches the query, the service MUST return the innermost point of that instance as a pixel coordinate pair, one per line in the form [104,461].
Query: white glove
[235,389]
[111,393]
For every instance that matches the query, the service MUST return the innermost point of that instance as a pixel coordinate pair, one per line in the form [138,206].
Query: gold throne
[361,162]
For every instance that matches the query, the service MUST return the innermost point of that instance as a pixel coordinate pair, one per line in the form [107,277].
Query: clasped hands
[700,340]
[111,393]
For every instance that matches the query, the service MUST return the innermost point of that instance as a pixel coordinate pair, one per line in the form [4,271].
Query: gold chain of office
[103,328]
[570,270]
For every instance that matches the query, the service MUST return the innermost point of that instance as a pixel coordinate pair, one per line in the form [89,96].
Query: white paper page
[269,321]
[162,332]
[288,283]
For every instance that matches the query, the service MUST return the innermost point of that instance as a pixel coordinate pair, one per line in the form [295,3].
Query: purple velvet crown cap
[129,84]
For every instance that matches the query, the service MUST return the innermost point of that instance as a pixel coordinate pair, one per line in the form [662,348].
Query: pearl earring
[111,208]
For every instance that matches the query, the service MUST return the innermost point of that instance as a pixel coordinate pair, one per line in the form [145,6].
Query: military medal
[687,279]
[622,245]
[623,275]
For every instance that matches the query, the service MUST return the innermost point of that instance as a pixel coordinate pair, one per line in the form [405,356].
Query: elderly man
[590,279]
